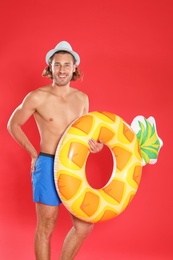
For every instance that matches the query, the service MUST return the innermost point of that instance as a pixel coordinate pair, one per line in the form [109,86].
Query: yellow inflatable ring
[83,201]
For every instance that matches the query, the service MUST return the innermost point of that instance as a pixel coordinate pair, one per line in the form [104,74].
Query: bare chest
[59,112]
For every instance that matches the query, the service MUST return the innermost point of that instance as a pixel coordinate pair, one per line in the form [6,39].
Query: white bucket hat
[63,46]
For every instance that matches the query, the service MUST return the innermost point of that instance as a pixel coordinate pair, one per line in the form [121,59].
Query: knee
[45,227]
[88,229]
[84,229]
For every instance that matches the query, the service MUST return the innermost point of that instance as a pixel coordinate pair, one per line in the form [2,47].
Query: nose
[61,68]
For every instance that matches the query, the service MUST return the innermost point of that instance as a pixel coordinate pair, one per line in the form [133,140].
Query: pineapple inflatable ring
[129,154]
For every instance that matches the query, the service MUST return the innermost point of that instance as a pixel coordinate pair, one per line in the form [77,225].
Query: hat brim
[53,51]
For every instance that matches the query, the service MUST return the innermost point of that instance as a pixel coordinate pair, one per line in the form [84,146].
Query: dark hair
[48,73]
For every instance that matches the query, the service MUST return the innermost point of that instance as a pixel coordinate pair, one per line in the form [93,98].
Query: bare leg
[46,220]
[75,238]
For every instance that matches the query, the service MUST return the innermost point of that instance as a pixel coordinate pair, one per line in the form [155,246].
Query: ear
[74,68]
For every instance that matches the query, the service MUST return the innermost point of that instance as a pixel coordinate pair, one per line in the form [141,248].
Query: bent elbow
[9,127]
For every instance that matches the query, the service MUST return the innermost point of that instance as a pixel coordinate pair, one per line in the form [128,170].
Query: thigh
[46,213]
[44,190]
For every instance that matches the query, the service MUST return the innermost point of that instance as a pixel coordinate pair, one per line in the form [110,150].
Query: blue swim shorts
[44,190]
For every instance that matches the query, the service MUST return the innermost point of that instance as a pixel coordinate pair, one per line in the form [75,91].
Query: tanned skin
[54,108]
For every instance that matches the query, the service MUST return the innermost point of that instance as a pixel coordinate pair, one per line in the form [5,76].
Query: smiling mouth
[62,76]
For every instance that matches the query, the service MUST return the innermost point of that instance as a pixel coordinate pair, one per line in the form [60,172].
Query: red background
[126,56]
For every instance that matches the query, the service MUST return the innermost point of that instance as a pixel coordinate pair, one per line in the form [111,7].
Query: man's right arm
[20,115]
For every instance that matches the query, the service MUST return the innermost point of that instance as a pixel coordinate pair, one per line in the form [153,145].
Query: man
[54,107]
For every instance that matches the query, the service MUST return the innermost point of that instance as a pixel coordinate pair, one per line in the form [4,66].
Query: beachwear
[44,189]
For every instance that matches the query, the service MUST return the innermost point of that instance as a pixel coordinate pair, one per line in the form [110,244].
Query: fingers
[33,162]
[95,147]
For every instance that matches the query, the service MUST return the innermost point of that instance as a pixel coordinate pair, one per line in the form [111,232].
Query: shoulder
[39,92]
[81,95]
[83,98]
[36,96]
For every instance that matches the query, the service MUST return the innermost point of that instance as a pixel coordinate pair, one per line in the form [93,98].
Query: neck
[60,90]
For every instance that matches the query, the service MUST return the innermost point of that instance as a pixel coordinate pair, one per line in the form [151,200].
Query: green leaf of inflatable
[149,141]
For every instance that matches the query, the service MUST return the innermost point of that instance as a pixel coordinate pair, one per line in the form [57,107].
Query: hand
[33,162]
[95,147]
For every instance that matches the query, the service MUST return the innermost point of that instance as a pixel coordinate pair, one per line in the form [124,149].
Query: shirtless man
[54,107]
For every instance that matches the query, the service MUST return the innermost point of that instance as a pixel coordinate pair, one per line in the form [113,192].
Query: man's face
[62,68]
